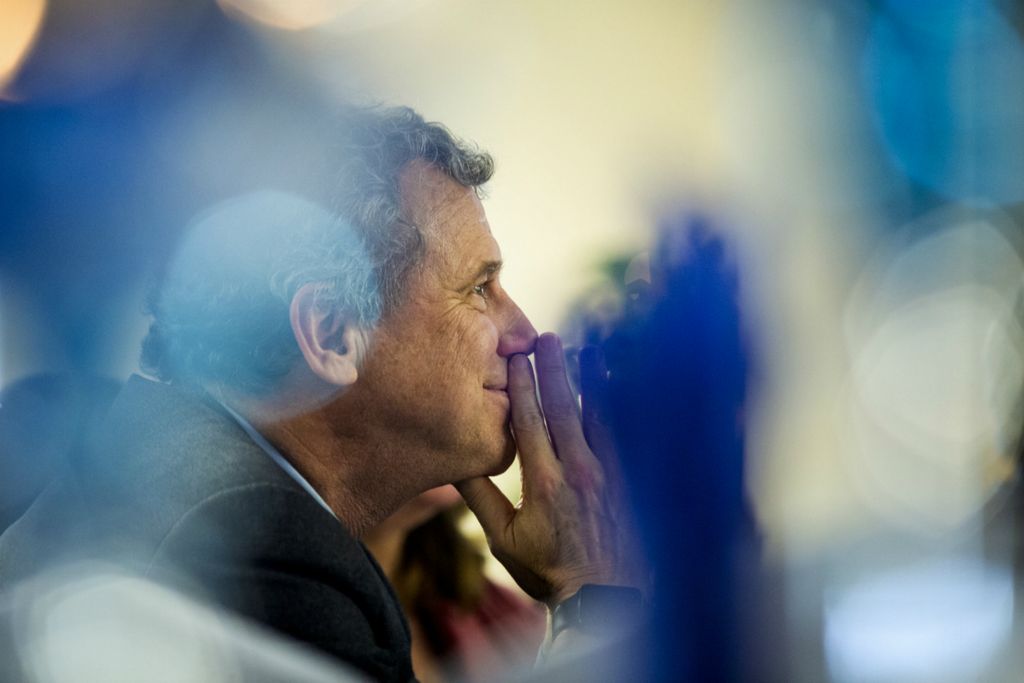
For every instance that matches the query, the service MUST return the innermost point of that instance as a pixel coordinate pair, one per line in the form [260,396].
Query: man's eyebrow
[487,269]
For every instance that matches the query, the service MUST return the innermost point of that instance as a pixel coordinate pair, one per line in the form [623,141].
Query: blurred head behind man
[367,337]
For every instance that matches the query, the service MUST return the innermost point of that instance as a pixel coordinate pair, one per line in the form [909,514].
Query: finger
[488,504]
[594,399]
[597,423]
[558,400]
[527,419]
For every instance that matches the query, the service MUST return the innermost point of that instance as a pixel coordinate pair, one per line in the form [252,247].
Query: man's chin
[508,456]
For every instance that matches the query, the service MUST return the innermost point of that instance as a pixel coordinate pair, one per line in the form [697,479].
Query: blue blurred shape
[946,82]
[678,379]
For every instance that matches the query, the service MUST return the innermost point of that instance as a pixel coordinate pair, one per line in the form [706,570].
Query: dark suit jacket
[177,490]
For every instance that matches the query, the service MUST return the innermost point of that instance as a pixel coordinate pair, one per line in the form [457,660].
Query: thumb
[488,503]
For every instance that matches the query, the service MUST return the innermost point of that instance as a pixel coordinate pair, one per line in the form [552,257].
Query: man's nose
[519,335]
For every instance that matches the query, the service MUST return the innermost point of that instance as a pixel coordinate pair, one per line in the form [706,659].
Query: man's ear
[332,347]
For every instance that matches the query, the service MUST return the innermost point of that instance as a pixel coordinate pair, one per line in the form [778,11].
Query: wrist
[571,585]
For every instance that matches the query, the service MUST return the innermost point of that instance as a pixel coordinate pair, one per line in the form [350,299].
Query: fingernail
[550,341]
[519,362]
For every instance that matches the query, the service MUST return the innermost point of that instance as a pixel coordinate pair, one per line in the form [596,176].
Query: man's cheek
[491,335]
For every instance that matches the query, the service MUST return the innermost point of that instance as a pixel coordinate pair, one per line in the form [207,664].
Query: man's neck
[332,470]
[353,474]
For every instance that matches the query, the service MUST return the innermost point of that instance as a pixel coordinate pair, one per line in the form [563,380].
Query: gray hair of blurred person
[221,314]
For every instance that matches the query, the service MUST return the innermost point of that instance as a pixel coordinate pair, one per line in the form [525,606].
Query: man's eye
[480,290]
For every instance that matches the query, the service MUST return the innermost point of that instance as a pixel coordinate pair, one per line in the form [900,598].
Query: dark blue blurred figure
[677,388]
[131,118]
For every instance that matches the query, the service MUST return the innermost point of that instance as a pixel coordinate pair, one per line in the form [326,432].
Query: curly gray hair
[381,142]
[221,313]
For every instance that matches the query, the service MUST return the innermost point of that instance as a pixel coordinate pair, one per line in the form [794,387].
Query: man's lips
[500,391]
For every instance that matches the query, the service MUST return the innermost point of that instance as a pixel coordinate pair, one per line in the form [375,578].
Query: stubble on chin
[508,455]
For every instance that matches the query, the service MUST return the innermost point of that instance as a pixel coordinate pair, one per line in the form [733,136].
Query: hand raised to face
[569,527]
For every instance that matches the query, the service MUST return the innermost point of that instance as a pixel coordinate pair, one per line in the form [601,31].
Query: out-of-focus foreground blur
[863,157]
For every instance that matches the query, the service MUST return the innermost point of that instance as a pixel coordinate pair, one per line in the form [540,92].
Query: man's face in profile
[437,368]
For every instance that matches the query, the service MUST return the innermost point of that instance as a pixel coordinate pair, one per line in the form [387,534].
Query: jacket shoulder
[273,554]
